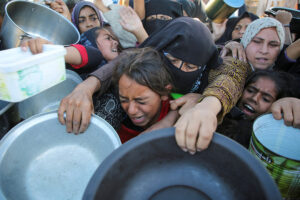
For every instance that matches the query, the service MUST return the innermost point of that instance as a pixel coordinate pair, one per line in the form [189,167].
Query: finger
[244,57]
[191,137]
[69,118]
[39,45]
[276,111]
[234,53]
[296,114]
[224,52]
[240,54]
[205,135]
[180,128]
[61,111]
[24,45]
[178,102]
[287,114]
[85,120]
[32,46]
[76,120]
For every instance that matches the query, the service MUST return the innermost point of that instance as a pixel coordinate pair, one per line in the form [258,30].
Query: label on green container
[285,172]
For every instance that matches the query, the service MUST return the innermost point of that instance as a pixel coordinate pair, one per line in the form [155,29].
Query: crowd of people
[132,58]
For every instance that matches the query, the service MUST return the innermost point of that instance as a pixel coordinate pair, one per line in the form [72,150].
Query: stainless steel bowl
[49,100]
[40,160]
[27,19]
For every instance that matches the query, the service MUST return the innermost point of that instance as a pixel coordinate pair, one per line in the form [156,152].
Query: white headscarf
[259,24]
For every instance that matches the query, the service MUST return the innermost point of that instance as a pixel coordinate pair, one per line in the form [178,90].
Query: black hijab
[231,23]
[191,41]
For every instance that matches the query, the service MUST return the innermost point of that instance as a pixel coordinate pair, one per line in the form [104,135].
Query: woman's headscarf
[230,25]
[77,9]
[257,25]
[189,40]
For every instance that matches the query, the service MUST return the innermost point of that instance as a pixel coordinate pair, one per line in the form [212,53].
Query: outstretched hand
[78,106]
[131,22]
[195,128]
[236,49]
[60,7]
[289,109]
[35,45]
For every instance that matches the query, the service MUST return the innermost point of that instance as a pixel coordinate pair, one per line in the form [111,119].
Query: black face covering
[153,25]
[185,82]
[169,8]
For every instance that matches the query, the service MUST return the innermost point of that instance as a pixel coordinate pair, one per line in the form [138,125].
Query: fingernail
[199,150]
[192,152]
[184,149]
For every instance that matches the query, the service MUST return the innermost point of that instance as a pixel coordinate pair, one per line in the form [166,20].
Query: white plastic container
[23,75]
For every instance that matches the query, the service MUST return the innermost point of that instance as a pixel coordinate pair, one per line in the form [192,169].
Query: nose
[89,23]
[115,43]
[132,108]
[255,97]
[264,48]
[242,31]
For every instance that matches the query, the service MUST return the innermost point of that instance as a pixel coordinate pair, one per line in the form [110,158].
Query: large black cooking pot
[152,166]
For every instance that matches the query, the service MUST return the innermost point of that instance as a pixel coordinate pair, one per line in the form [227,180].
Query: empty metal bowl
[151,166]
[40,160]
[49,100]
[27,19]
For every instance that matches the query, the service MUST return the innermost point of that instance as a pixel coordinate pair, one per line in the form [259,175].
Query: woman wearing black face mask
[160,12]
[189,51]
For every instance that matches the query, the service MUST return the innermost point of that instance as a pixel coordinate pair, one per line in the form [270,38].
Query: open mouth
[137,120]
[114,50]
[248,108]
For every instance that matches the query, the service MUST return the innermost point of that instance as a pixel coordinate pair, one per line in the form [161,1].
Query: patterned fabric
[108,107]
[259,24]
[226,83]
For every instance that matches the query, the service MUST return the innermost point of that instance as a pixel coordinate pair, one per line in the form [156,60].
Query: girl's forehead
[87,9]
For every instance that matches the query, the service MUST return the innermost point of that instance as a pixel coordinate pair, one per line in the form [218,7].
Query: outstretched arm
[131,22]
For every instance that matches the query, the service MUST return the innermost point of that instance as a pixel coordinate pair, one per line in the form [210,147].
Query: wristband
[286,25]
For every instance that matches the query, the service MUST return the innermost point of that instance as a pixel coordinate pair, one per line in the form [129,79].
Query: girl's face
[264,48]
[184,66]
[107,44]
[240,28]
[141,104]
[258,97]
[87,19]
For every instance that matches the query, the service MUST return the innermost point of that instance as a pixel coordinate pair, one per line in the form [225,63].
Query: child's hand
[35,45]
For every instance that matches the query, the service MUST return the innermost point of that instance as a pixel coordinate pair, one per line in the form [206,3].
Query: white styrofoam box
[23,75]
